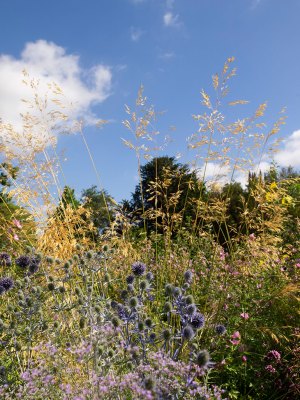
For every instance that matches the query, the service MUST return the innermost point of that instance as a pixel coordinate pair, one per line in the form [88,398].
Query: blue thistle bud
[203,358]
[191,309]
[166,334]
[130,279]
[130,288]
[141,326]
[176,291]
[149,276]
[168,289]
[188,333]
[148,322]
[144,284]
[220,329]
[168,307]
[188,276]
[189,299]
[133,302]
[115,321]
[5,260]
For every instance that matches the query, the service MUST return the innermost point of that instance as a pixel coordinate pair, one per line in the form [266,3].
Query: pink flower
[297,265]
[244,315]
[17,223]
[244,359]
[16,237]
[270,369]
[252,236]
[235,338]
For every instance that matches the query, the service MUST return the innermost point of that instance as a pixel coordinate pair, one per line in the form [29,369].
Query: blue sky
[101,51]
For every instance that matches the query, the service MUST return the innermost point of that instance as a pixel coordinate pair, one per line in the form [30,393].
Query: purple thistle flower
[187,333]
[23,261]
[220,329]
[6,283]
[5,260]
[138,268]
[197,320]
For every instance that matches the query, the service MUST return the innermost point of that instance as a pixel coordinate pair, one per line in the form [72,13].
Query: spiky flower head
[33,266]
[197,320]
[130,287]
[166,334]
[220,329]
[23,261]
[203,358]
[168,307]
[130,279]
[168,289]
[138,268]
[133,302]
[176,291]
[144,284]
[149,276]
[6,283]
[191,309]
[189,299]
[148,322]
[5,260]
[188,333]
[188,276]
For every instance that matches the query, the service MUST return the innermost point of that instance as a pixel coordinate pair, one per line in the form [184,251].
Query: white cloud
[290,153]
[167,55]
[171,20]
[135,34]
[49,63]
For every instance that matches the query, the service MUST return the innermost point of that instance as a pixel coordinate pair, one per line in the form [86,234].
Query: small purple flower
[197,320]
[274,355]
[138,268]
[23,261]
[5,260]
[188,276]
[220,329]
[188,333]
[6,283]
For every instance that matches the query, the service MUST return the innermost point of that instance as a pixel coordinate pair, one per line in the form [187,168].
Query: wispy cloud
[171,20]
[49,63]
[290,153]
[136,33]
[167,55]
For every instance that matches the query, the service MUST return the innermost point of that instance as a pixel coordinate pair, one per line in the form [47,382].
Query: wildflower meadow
[187,290]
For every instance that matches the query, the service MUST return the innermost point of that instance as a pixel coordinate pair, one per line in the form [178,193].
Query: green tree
[164,197]
[101,205]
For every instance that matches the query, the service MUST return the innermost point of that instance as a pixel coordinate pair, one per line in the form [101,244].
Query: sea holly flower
[5,260]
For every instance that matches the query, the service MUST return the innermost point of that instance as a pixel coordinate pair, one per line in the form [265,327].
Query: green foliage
[101,206]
